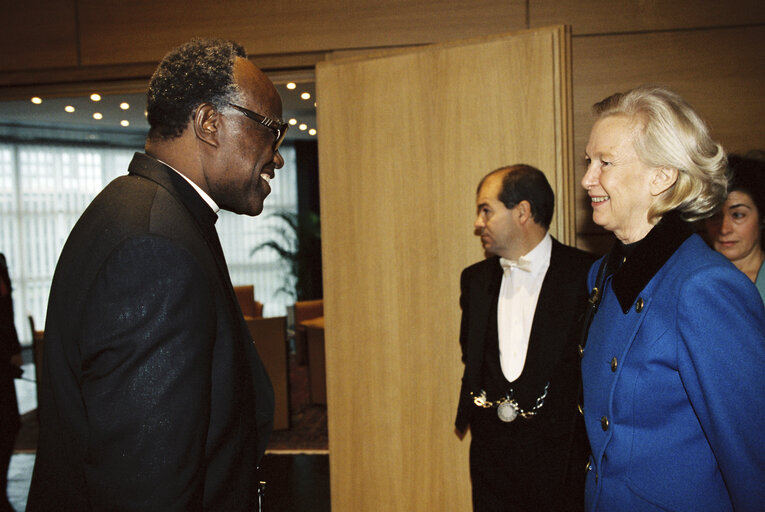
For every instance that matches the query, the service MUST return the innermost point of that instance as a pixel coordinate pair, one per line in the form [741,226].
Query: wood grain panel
[143,30]
[615,16]
[38,34]
[405,139]
[721,72]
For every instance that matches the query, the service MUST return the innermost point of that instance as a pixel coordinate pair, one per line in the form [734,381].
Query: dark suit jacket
[9,345]
[153,396]
[9,340]
[552,354]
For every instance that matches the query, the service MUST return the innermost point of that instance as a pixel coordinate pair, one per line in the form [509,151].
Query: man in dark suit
[10,363]
[153,396]
[521,309]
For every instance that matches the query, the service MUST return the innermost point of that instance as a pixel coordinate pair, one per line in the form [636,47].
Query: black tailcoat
[552,357]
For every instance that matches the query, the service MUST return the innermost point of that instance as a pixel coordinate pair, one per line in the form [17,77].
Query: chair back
[307,309]
[251,308]
[38,346]
[270,338]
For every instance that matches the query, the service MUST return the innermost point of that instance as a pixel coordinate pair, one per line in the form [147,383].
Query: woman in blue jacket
[673,368]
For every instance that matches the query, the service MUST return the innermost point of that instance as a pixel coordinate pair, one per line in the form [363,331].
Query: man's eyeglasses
[279,129]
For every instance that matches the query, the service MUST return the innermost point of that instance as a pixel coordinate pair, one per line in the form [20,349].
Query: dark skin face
[239,160]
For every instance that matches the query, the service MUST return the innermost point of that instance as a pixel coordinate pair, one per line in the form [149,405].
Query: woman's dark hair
[748,176]
[200,71]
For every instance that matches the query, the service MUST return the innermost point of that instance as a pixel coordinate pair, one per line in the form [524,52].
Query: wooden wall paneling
[721,72]
[619,16]
[38,34]
[143,30]
[405,139]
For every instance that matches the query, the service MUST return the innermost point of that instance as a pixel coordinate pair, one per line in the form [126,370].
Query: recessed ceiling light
[124,105]
[303,127]
[69,108]
[95,96]
[97,115]
[306,95]
[292,121]
[36,100]
[312,131]
[291,85]
[125,122]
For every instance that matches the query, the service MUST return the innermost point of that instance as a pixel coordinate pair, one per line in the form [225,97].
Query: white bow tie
[521,264]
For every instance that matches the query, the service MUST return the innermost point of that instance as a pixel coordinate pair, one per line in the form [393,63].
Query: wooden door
[404,138]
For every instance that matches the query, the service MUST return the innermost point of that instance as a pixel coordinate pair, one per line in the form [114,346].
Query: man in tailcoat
[521,309]
[154,397]
[10,363]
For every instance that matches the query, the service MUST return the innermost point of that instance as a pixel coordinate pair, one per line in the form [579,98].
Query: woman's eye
[604,163]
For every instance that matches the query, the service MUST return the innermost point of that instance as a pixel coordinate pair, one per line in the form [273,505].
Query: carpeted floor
[308,428]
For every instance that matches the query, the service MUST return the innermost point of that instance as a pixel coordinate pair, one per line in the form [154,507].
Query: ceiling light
[292,121]
[125,122]
[95,96]
[97,115]
[36,100]
[306,95]
[312,131]
[303,127]
[291,85]
[69,108]
[124,105]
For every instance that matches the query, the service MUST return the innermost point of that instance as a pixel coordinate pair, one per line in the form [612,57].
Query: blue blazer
[674,382]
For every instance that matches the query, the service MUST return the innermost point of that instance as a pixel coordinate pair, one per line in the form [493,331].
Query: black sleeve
[146,345]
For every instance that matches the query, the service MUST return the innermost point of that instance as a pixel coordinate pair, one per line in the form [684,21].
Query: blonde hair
[671,134]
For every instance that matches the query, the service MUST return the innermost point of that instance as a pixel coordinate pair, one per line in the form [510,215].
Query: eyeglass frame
[278,129]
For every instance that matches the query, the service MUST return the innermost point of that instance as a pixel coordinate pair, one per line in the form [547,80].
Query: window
[45,188]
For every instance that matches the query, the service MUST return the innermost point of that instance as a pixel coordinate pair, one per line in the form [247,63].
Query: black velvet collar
[647,258]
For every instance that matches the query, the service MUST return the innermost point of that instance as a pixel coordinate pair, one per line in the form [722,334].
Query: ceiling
[49,120]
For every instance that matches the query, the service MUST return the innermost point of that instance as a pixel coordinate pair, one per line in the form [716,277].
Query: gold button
[639,305]
[604,423]
[589,466]
[581,409]
[614,364]
[581,350]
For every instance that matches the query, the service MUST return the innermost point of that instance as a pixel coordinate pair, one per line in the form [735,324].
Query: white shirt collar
[209,200]
[538,259]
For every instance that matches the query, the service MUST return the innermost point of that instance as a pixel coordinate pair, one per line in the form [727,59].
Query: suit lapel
[547,330]
[483,312]
[151,169]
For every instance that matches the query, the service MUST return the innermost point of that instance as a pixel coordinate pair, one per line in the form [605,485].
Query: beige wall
[711,52]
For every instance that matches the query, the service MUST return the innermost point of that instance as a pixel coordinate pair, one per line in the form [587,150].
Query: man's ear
[205,122]
[663,179]
[524,211]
